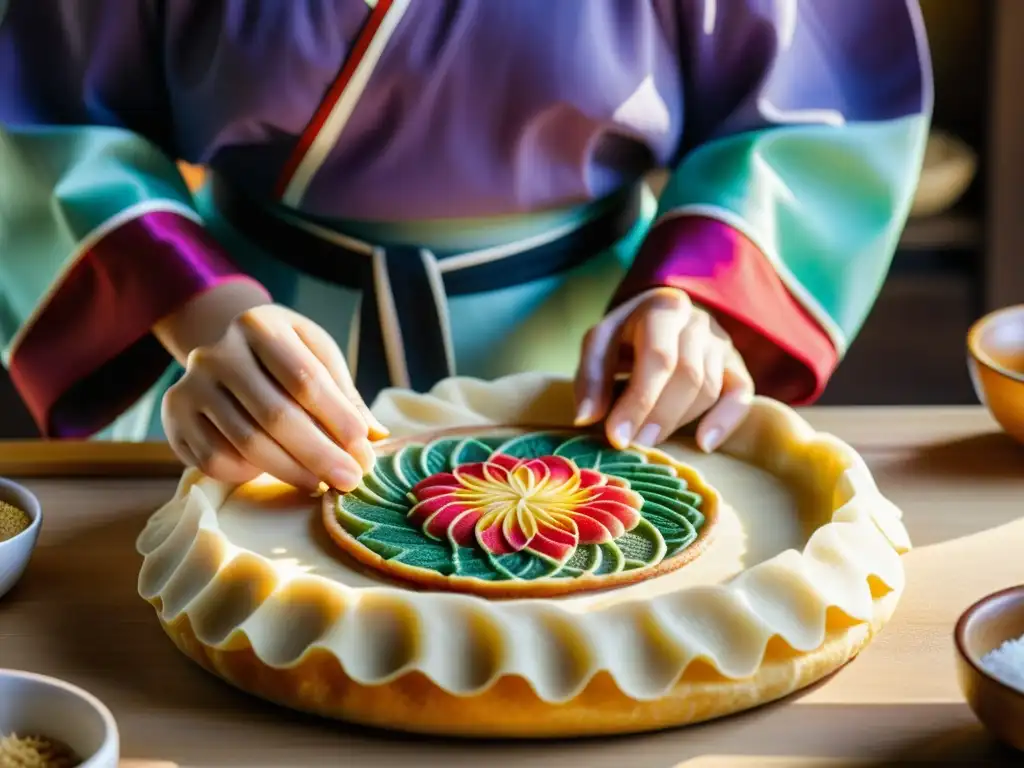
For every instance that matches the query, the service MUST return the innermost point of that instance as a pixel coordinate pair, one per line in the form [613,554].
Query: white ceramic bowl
[35,704]
[15,553]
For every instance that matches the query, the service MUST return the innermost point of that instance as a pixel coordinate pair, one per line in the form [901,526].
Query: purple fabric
[112,298]
[477,107]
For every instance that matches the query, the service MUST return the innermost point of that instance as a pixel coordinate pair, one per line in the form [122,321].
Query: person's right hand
[273,395]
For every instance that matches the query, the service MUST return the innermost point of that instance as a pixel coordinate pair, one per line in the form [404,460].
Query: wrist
[204,318]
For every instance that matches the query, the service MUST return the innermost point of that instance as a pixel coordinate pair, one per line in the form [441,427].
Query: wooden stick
[75,458]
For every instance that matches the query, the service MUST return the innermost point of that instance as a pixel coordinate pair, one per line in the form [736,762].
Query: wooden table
[961,485]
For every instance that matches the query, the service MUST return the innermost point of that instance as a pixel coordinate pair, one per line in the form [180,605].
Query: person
[442,188]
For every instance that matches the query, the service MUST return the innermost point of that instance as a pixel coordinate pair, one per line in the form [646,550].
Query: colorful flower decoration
[539,505]
[547,506]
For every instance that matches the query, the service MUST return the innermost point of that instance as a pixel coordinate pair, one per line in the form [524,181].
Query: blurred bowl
[983,627]
[947,171]
[17,551]
[36,705]
[995,346]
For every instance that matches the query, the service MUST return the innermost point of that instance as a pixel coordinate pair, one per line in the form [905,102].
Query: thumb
[324,348]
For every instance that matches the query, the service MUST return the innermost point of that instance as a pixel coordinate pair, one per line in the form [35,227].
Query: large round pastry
[501,574]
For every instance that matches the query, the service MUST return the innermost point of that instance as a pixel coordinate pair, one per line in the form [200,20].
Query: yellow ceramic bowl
[996,359]
[983,627]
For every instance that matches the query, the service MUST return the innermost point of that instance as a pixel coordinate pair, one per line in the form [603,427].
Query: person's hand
[272,394]
[681,366]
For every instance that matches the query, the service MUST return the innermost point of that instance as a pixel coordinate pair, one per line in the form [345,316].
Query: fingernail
[710,440]
[622,435]
[585,413]
[362,451]
[343,480]
[648,435]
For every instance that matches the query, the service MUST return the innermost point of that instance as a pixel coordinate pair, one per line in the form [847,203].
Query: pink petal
[441,478]
[556,533]
[555,550]
[463,530]
[618,482]
[507,462]
[433,491]
[626,516]
[621,495]
[591,531]
[602,517]
[513,532]
[437,526]
[591,478]
[474,470]
[427,507]
[558,469]
[491,540]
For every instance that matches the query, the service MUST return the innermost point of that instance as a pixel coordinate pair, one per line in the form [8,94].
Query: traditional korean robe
[414,133]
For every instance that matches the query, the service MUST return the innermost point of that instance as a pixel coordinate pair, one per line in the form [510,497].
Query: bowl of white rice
[989,641]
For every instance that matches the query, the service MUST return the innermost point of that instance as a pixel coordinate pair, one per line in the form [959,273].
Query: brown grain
[12,521]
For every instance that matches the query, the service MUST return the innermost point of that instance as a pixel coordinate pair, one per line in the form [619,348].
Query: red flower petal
[557,469]
[492,540]
[513,532]
[556,533]
[590,531]
[626,515]
[441,478]
[507,462]
[437,526]
[434,491]
[555,550]
[607,519]
[621,495]
[463,530]
[427,507]
[591,478]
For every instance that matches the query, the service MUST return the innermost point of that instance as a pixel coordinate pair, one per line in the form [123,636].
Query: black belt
[403,334]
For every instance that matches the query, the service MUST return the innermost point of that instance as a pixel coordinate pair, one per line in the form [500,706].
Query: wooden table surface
[961,486]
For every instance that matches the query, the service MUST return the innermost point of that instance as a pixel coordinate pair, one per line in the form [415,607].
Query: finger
[672,411]
[656,348]
[595,376]
[732,407]
[253,444]
[711,387]
[214,455]
[287,358]
[323,347]
[284,421]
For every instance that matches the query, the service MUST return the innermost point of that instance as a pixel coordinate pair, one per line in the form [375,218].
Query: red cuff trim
[89,354]
[789,355]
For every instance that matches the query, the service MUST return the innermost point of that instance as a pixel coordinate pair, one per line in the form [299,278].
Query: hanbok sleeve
[98,235]
[806,124]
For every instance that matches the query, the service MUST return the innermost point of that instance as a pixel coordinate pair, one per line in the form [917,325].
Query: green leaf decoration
[437,456]
[388,511]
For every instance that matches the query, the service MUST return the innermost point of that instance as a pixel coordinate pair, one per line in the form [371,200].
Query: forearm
[204,318]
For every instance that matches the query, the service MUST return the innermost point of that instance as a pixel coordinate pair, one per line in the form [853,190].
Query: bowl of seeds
[48,723]
[20,521]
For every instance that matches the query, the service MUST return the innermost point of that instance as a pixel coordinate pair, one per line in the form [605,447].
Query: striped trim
[334,111]
[86,246]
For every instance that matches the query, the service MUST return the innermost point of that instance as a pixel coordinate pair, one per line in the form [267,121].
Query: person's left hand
[681,366]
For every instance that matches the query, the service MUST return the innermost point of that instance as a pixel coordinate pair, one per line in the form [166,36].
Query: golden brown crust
[422,578]
[510,709]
